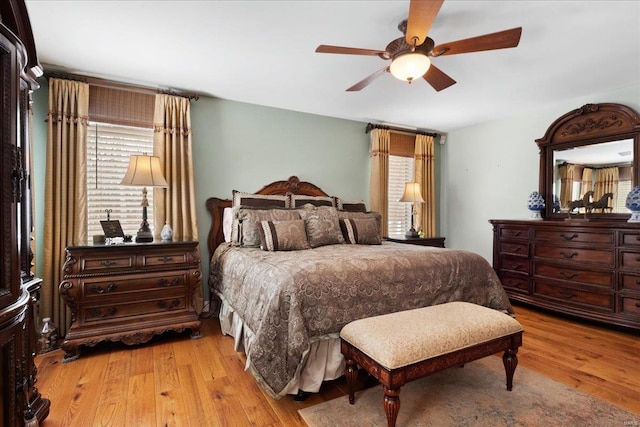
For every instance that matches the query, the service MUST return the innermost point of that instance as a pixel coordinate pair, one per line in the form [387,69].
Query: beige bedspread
[290,299]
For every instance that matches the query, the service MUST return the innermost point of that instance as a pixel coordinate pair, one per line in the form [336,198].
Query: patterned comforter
[290,299]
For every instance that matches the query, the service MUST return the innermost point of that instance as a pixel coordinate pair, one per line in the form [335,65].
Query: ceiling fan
[410,54]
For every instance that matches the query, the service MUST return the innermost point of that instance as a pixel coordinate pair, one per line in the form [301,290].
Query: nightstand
[422,241]
[129,292]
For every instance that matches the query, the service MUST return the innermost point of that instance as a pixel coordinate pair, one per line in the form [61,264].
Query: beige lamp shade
[412,193]
[145,171]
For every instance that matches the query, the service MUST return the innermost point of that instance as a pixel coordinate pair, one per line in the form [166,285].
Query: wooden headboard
[216,206]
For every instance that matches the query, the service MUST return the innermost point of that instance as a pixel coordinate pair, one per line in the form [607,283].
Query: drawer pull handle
[108,263]
[166,259]
[516,249]
[567,294]
[569,255]
[638,304]
[164,282]
[163,304]
[568,237]
[568,276]
[98,313]
[100,290]
[516,233]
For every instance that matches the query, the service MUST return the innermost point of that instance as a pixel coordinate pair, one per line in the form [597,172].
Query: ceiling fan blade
[422,13]
[365,82]
[323,48]
[437,78]
[499,40]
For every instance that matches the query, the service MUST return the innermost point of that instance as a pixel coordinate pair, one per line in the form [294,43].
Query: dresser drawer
[575,255]
[513,233]
[630,282]
[515,264]
[164,259]
[630,238]
[516,283]
[567,295]
[513,248]
[575,236]
[103,287]
[630,305]
[102,263]
[138,307]
[630,260]
[577,274]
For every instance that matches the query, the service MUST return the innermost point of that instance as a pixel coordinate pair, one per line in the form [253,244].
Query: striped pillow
[283,235]
[362,231]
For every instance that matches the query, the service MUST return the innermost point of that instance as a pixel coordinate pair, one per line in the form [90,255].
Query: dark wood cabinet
[19,289]
[129,292]
[422,241]
[587,269]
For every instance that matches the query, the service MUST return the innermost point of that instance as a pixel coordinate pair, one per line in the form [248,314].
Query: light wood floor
[176,381]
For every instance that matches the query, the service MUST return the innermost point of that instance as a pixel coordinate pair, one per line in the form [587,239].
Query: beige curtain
[424,174]
[379,181]
[175,205]
[587,181]
[65,199]
[606,182]
[566,184]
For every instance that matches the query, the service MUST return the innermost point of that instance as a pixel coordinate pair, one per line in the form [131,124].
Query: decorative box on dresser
[20,401]
[588,269]
[129,292]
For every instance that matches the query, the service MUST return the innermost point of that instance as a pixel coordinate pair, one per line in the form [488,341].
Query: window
[400,171]
[108,149]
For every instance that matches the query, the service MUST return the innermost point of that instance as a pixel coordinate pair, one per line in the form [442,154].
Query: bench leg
[351,372]
[391,405]
[510,361]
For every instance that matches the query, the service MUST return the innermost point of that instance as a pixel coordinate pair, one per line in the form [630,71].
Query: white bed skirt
[323,361]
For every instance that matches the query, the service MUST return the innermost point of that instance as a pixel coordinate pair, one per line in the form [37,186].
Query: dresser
[587,269]
[129,292]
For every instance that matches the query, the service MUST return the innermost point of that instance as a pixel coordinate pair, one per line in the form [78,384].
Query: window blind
[109,147]
[399,214]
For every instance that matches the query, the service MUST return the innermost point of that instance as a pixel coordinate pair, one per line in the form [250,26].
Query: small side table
[422,241]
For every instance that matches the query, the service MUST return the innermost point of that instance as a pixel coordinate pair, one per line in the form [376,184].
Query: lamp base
[411,233]
[144,237]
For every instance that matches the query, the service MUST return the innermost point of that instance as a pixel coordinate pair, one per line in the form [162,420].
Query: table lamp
[144,171]
[412,195]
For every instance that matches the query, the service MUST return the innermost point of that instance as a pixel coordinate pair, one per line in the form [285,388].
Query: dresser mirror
[588,162]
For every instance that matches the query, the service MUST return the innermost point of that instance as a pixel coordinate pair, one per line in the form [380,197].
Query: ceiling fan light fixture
[410,66]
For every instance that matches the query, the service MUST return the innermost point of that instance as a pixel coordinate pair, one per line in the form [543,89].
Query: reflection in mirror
[598,176]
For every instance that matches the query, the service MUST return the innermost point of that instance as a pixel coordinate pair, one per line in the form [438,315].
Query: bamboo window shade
[402,145]
[121,107]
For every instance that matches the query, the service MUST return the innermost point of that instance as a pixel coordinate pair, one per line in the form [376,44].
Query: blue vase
[535,203]
[633,204]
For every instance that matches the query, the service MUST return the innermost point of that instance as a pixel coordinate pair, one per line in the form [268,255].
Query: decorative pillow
[283,235]
[227,223]
[247,233]
[361,231]
[260,200]
[351,206]
[363,215]
[322,224]
[298,200]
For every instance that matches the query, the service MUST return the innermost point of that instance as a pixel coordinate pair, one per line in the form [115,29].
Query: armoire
[20,401]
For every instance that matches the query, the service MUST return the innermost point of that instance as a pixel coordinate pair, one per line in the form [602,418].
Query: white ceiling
[262,52]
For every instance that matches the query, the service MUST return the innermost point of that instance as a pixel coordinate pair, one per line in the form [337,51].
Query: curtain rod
[95,81]
[371,126]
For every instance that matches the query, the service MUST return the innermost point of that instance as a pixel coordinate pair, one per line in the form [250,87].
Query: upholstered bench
[400,347]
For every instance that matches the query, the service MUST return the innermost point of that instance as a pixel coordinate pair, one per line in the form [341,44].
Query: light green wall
[243,147]
[490,169]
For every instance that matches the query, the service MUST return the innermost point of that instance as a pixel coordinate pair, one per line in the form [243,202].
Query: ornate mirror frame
[587,125]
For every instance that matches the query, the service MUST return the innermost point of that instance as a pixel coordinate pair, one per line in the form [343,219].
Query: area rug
[475,395]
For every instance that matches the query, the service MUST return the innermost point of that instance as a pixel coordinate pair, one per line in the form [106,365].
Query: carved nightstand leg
[71,352]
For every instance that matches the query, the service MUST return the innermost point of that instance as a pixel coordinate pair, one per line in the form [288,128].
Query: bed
[285,301]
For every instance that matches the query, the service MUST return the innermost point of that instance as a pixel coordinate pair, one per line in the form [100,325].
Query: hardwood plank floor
[176,381]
